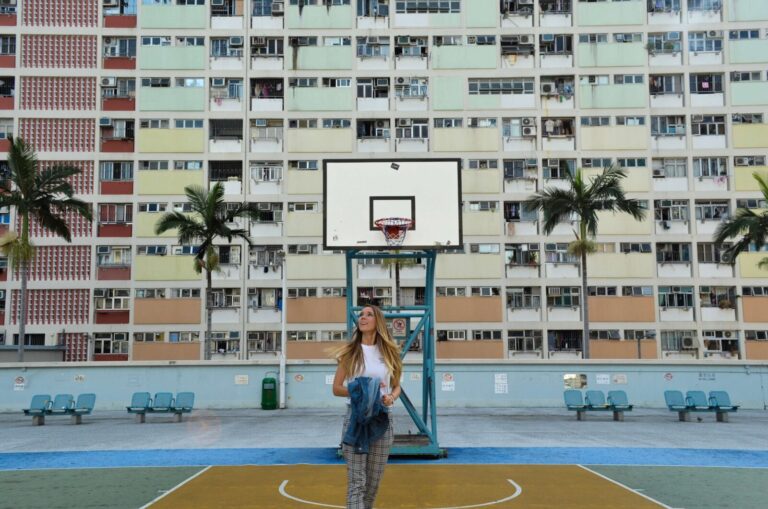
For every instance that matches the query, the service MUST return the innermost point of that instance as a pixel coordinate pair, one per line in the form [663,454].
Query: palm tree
[583,201]
[209,220]
[747,223]
[40,195]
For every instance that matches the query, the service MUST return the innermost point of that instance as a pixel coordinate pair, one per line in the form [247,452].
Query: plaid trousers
[364,471]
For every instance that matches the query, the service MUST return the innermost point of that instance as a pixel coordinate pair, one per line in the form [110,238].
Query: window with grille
[110,343]
[676,296]
[673,252]
[563,296]
[524,340]
[112,299]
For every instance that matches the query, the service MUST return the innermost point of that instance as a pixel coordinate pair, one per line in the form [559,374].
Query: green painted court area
[418,486]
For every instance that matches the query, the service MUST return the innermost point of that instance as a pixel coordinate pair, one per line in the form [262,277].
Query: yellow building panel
[303,224]
[482,223]
[167,182]
[466,139]
[637,179]
[748,265]
[614,138]
[744,179]
[144,225]
[315,266]
[470,266]
[480,181]
[750,136]
[304,182]
[171,140]
[624,224]
[319,140]
[165,268]
[621,265]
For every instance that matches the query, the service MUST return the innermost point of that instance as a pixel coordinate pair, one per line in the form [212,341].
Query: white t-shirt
[375,367]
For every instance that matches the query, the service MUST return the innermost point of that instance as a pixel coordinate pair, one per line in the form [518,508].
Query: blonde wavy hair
[350,356]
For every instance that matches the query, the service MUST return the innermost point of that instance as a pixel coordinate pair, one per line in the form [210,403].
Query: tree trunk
[22,309]
[208,314]
[585,304]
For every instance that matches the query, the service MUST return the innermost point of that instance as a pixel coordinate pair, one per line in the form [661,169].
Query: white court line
[518,491]
[182,483]
[617,483]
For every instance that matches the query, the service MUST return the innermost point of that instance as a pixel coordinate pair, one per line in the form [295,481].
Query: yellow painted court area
[405,486]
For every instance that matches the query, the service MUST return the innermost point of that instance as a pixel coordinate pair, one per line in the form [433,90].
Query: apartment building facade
[150,96]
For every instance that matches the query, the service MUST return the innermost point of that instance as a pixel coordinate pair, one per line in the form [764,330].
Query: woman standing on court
[371,353]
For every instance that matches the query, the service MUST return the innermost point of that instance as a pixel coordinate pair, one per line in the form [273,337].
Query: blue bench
[38,408]
[163,403]
[595,402]
[718,402]
[83,406]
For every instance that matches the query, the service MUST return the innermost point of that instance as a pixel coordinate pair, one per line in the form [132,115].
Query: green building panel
[448,93]
[748,10]
[632,12]
[319,99]
[464,57]
[612,54]
[172,58]
[482,14]
[613,96]
[484,102]
[167,182]
[173,16]
[319,16]
[445,20]
[749,51]
[165,268]
[319,57]
[172,99]
[749,93]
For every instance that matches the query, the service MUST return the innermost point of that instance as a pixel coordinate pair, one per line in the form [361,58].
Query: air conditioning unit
[218,82]
[529,131]
[697,118]
[658,173]
[278,8]
[100,292]
[109,82]
[471,39]
[438,41]
[236,41]
[528,121]
[372,40]
[531,163]
[714,33]
[260,122]
[619,37]
[107,41]
[217,3]
[382,82]
[401,81]
[103,250]
[258,41]
[688,343]
[403,122]
[380,123]
[741,161]
[727,334]
[548,87]
[299,41]
[404,40]
[105,122]
[526,39]
[553,291]
[553,163]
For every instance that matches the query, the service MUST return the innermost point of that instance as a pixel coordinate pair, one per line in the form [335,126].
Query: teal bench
[163,403]
[61,404]
[183,404]
[140,403]
[718,402]
[83,406]
[38,408]
[595,401]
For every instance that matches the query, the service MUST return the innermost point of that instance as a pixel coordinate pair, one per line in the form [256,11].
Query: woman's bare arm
[338,383]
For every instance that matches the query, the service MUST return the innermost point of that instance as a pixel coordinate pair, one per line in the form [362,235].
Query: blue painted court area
[730,458]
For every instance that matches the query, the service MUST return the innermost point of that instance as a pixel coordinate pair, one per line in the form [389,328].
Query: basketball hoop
[394,229]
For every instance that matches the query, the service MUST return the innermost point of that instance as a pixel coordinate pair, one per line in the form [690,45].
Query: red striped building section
[77,346]
[78,226]
[53,307]
[59,134]
[82,183]
[59,51]
[60,263]
[57,93]
[61,13]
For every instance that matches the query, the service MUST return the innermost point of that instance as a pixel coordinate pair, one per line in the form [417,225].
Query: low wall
[480,384]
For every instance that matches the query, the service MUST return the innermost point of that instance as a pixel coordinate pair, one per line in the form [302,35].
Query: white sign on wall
[603,379]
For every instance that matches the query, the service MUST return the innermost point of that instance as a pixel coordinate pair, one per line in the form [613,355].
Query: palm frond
[763,264]
[51,220]
[748,227]
[556,205]
[762,183]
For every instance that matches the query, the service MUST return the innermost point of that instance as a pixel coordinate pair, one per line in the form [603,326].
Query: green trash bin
[269,393]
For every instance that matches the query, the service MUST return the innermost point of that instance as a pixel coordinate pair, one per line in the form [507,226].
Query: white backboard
[358,192]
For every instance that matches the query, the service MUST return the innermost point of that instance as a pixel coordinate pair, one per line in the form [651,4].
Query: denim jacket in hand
[369,418]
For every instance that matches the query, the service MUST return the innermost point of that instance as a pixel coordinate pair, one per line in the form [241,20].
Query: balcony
[266,135]
[116,135]
[263,314]
[374,16]
[676,314]
[7,92]
[632,12]
[373,136]
[226,136]
[227,15]
[432,20]
[710,12]
[227,54]
[122,15]
[666,12]
[515,16]
[558,135]
[266,95]
[674,269]
[555,13]
[523,305]
[8,17]
[563,313]
[173,16]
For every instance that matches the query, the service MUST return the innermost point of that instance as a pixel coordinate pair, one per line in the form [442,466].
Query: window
[481,206]
[666,42]
[451,335]
[486,335]
[558,253]
[263,341]
[156,41]
[369,47]
[628,37]
[148,337]
[605,247]
[152,207]
[334,292]
[115,213]
[156,82]
[111,171]
[708,252]
[636,291]
[414,129]
[485,291]
[500,86]
[746,76]
[153,165]
[188,123]
[676,296]
[558,169]
[711,41]
[302,82]
[736,35]
[225,342]
[185,293]
[411,88]
[552,44]
[673,252]
[448,123]
[297,293]
[662,84]
[605,334]
[595,121]
[678,340]
[633,334]
[302,206]
[185,250]
[154,123]
[520,169]
[109,299]
[150,293]
[225,297]
[190,41]
[303,123]
[723,343]
[594,79]
[706,83]
[723,297]
[484,248]
[302,249]
[635,247]
[751,203]
[302,335]
[336,123]
[747,118]
[708,125]
[710,166]
[265,298]
[628,79]
[113,256]
[6,128]
[269,212]
[110,343]
[558,127]
[119,47]
[755,291]
[670,168]
[671,210]
[601,291]
[5,215]
[704,5]
[563,296]
[482,164]
[152,250]
[451,291]
[593,38]
[712,210]
[302,165]
[631,162]
[522,254]
[524,340]
[630,120]
[426,6]
[188,165]
[596,162]
[526,297]
[756,335]
[670,125]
